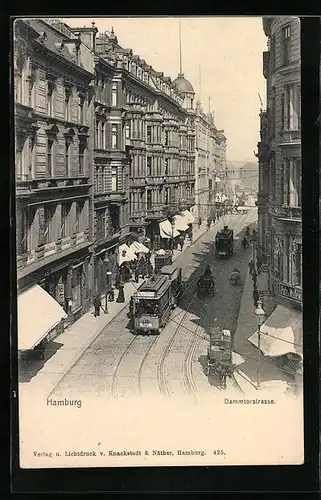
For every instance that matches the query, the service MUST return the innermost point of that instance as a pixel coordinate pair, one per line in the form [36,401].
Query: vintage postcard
[159,241]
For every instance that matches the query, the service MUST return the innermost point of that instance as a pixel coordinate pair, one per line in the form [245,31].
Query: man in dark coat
[97,304]
[251,267]
[255,296]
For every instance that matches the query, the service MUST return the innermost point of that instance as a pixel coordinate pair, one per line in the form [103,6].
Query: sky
[225,51]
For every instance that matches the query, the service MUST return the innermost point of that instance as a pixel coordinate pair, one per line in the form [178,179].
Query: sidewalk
[247,324]
[70,345]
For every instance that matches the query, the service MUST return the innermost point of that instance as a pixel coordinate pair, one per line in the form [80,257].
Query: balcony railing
[290,137]
[290,291]
[52,248]
[286,212]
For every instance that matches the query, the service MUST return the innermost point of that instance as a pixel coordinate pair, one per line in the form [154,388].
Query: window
[297,263]
[48,226]
[166,138]
[292,182]
[49,162]
[96,133]
[65,211]
[286,44]
[26,234]
[114,95]
[102,135]
[114,133]
[100,224]
[149,134]
[127,132]
[81,104]
[272,117]
[166,166]
[50,98]
[272,53]
[166,196]
[149,200]
[149,166]
[67,104]
[81,158]
[79,209]
[67,158]
[114,179]
[283,111]
[18,87]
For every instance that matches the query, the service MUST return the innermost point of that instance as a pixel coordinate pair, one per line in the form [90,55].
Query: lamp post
[106,262]
[259,312]
[173,226]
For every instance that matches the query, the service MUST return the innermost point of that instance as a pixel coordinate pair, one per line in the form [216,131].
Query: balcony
[292,292]
[154,213]
[44,254]
[26,185]
[116,197]
[286,212]
[290,137]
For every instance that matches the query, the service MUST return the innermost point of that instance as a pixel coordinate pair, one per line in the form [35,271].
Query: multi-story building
[210,163]
[150,122]
[53,79]
[279,153]
[111,161]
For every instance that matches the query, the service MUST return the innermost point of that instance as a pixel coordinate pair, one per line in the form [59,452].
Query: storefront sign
[290,292]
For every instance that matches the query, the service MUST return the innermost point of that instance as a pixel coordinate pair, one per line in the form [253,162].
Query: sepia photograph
[158,195]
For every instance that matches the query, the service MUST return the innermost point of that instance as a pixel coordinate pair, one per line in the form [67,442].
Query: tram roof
[169,269]
[153,287]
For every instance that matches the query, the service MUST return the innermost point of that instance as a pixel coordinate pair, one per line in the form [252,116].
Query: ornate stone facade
[53,120]
[279,154]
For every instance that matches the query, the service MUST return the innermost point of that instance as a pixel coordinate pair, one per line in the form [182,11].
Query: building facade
[152,129]
[279,153]
[210,164]
[53,80]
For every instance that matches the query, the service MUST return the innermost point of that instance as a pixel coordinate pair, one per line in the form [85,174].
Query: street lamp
[259,312]
[173,226]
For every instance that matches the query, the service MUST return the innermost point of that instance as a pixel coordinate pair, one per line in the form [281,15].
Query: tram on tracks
[224,243]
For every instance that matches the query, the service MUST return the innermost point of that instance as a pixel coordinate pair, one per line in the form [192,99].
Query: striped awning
[166,230]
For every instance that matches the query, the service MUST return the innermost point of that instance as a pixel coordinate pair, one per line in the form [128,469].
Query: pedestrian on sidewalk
[254,277]
[255,296]
[259,264]
[199,222]
[121,295]
[251,267]
[97,305]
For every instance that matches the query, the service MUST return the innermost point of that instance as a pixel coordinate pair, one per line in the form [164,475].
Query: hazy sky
[229,51]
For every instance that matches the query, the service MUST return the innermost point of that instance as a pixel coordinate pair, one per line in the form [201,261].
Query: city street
[119,364]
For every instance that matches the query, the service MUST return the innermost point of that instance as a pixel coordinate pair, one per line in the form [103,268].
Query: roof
[182,84]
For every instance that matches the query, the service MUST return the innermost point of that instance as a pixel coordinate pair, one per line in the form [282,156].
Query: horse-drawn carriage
[206,284]
[235,277]
[219,355]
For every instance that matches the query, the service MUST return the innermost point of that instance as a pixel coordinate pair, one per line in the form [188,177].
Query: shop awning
[281,333]
[188,216]
[180,222]
[38,314]
[166,230]
[137,247]
[125,254]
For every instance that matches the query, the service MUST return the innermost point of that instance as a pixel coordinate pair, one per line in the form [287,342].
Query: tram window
[147,307]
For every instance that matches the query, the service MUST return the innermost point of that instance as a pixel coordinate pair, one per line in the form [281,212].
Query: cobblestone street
[120,364]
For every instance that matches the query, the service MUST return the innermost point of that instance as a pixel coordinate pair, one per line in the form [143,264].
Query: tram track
[194,342]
